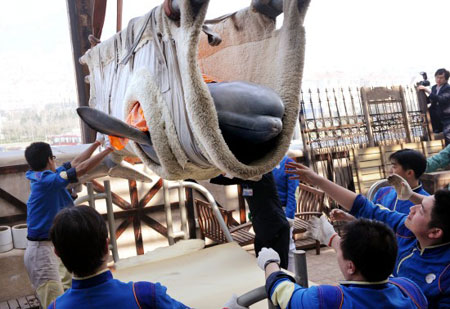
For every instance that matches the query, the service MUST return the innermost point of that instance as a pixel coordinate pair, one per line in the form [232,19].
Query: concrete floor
[14,280]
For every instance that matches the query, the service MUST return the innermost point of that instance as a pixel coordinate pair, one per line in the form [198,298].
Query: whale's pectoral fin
[109,125]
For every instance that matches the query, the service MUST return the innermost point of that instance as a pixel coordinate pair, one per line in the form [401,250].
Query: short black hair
[371,246]
[37,155]
[440,213]
[442,71]
[410,159]
[80,236]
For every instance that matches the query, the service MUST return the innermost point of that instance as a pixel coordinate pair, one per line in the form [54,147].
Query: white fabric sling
[155,62]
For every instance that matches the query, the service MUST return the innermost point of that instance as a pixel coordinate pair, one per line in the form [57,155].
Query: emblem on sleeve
[430,278]
[63,175]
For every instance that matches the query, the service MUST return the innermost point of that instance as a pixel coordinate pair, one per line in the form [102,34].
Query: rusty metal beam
[152,223]
[80,21]
[151,193]
[123,226]
[116,199]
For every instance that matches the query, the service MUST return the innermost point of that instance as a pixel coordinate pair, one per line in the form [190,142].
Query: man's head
[430,220]
[39,157]
[367,248]
[80,238]
[409,164]
[441,76]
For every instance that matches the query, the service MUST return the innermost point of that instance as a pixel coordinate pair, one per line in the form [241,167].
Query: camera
[425,82]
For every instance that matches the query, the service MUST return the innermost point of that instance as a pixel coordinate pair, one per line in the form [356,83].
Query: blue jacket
[286,187]
[428,267]
[102,291]
[48,196]
[387,197]
[285,293]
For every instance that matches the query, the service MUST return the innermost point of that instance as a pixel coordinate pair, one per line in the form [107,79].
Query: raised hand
[266,256]
[340,215]
[322,230]
[301,172]
[401,186]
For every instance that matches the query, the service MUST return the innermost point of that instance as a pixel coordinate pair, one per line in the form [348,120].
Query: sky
[348,42]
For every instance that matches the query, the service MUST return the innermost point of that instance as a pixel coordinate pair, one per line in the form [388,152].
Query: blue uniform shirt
[387,197]
[287,294]
[286,187]
[48,196]
[103,291]
[427,267]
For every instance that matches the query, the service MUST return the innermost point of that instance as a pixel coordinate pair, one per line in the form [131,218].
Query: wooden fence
[343,118]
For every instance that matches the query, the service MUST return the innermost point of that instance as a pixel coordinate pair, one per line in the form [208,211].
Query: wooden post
[80,21]
[306,146]
[241,200]
[190,213]
[119,15]
[137,218]
[405,114]
[423,106]
[365,106]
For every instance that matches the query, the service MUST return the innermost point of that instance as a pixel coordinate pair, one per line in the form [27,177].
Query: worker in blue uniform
[423,236]
[80,238]
[366,282]
[409,164]
[286,189]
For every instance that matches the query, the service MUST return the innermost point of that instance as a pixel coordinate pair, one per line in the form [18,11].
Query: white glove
[322,230]
[290,221]
[401,186]
[103,140]
[267,256]
[232,303]
[100,138]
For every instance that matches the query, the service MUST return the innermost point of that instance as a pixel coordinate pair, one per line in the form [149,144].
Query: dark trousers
[280,243]
[435,118]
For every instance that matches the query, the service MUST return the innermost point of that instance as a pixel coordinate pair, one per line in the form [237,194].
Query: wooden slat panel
[33,301]
[4,305]
[23,303]
[13,304]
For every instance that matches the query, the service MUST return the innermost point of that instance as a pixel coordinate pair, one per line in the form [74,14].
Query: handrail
[183,184]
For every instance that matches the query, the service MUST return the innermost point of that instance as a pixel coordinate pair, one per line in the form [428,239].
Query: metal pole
[182,204]
[90,191]
[110,215]
[301,272]
[214,206]
[254,296]
[168,211]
